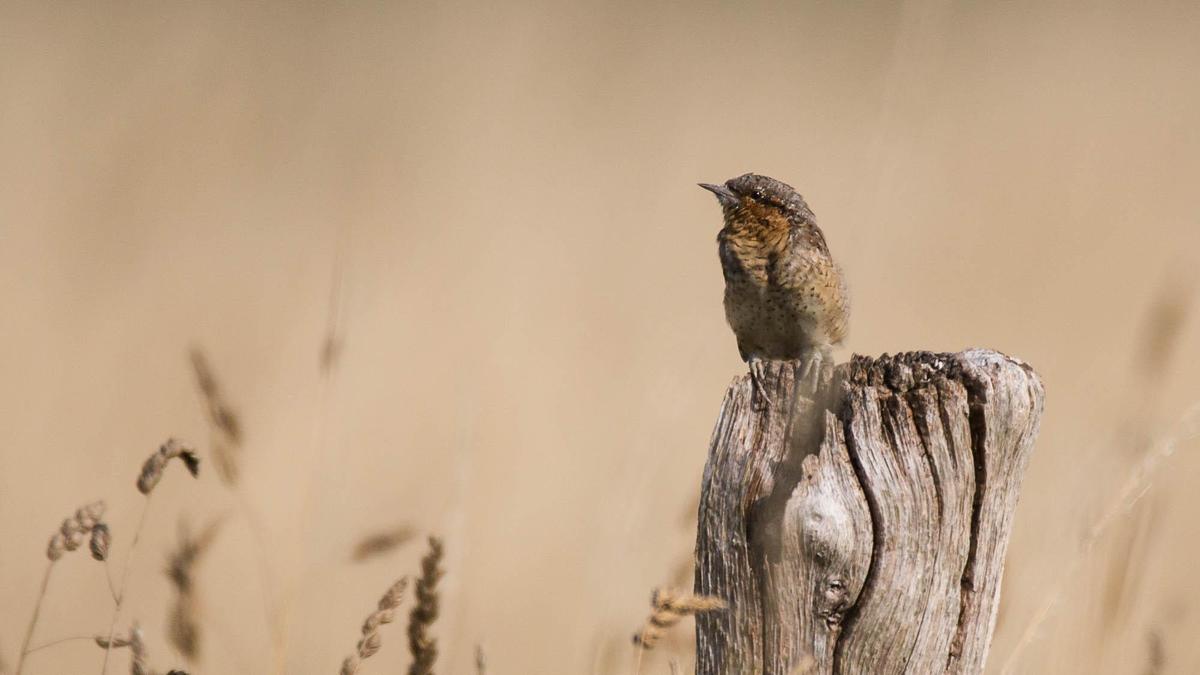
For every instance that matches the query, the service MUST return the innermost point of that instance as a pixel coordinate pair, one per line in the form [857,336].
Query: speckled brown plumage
[785,297]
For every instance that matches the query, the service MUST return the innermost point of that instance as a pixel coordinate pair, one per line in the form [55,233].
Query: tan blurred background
[494,206]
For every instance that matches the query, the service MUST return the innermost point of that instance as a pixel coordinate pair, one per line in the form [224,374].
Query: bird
[785,296]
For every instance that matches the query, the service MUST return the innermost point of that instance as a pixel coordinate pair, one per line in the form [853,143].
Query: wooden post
[859,525]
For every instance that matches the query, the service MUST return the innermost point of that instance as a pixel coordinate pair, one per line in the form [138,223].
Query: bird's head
[758,198]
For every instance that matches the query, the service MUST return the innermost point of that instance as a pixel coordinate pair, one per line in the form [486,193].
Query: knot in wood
[868,537]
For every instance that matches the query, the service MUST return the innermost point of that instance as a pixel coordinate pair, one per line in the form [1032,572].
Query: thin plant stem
[271,611]
[316,454]
[59,641]
[37,609]
[112,626]
[1136,486]
[108,577]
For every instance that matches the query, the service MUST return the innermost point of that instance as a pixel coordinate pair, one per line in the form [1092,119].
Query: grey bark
[858,523]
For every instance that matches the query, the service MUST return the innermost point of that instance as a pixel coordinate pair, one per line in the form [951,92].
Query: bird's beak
[724,194]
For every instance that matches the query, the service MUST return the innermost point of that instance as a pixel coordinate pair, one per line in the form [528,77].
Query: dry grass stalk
[1138,484]
[385,612]
[183,627]
[74,529]
[136,642]
[117,641]
[152,469]
[100,542]
[183,624]
[151,474]
[223,421]
[331,349]
[137,645]
[422,646]
[381,542]
[669,608]
[1167,317]
[226,441]
[70,535]
[332,344]
[1156,659]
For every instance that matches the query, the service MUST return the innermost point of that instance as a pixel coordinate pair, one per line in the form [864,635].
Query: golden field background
[494,206]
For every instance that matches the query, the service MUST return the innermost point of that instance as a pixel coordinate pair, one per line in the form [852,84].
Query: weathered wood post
[861,527]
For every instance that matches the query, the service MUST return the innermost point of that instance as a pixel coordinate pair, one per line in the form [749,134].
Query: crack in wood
[977,423]
[876,541]
[857,539]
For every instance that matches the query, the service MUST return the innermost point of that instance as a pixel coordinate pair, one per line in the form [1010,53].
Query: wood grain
[859,523]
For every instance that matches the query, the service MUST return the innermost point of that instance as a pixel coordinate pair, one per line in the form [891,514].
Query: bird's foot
[758,392]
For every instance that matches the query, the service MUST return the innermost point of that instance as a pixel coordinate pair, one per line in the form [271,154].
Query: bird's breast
[773,296]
